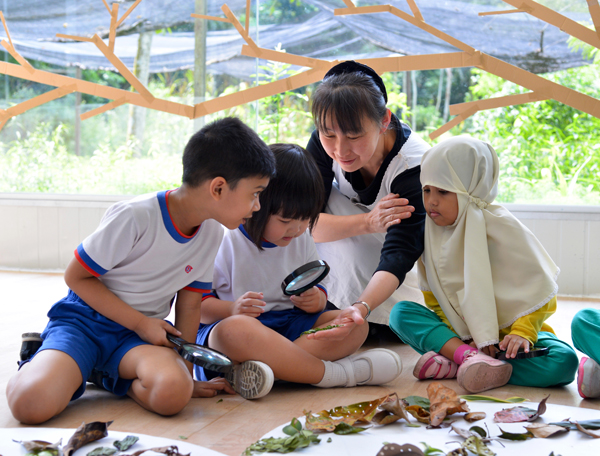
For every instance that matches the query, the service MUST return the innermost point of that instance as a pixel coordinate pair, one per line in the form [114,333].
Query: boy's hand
[390,210]
[311,301]
[249,304]
[490,350]
[154,331]
[511,344]
[212,388]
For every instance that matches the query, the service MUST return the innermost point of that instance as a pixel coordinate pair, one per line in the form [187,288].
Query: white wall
[40,232]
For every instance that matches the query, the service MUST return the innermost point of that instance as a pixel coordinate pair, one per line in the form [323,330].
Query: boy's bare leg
[43,387]
[245,338]
[162,384]
[331,350]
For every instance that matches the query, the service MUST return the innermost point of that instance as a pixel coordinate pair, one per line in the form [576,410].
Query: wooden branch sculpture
[541,88]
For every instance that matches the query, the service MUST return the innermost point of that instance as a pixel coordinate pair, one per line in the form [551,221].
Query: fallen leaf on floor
[85,434]
[39,445]
[478,397]
[327,420]
[471,417]
[393,449]
[422,402]
[171,450]
[102,451]
[444,401]
[543,431]
[518,414]
[419,413]
[392,409]
[515,436]
[586,431]
[296,438]
[588,424]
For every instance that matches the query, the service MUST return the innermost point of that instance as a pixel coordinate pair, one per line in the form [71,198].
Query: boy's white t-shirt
[141,256]
[241,267]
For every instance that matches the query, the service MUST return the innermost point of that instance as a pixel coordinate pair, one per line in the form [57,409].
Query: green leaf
[431,450]
[589,424]
[477,446]
[102,451]
[412,425]
[183,437]
[293,428]
[514,436]
[126,443]
[329,440]
[476,397]
[422,402]
[220,400]
[479,430]
[345,429]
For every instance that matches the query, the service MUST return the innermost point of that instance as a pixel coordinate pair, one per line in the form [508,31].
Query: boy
[125,276]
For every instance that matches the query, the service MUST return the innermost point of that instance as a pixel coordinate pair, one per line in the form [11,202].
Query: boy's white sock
[337,373]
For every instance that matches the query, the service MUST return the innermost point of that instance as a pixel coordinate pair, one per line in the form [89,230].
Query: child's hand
[390,210]
[311,301]
[212,388]
[490,350]
[347,318]
[154,331]
[248,304]
[511,344]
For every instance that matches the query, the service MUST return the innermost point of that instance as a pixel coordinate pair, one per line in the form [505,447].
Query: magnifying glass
[534,352]
[201,356]
[305,277]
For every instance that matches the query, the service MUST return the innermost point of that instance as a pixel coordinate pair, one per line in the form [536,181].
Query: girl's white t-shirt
[241,267]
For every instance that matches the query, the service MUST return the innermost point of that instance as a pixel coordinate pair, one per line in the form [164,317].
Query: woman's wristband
[366,306]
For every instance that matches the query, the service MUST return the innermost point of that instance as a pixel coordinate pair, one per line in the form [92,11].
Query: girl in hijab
[487,281]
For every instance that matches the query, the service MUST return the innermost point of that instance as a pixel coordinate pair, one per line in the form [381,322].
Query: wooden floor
[230,425]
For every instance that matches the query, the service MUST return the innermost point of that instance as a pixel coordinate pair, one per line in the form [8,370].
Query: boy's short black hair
[296,191]
[227,148]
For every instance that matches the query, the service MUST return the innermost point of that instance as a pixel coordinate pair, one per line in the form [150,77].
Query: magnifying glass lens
[305,279]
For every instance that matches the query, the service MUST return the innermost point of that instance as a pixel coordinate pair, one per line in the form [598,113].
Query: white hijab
[487,269]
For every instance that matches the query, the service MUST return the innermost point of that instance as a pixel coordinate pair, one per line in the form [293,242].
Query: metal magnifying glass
[534,352]
[305,277]
[201,356]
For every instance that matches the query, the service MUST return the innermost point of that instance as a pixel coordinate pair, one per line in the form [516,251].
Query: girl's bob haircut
[296,191]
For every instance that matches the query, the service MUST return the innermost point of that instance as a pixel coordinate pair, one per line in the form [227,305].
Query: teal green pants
[424,331]
[585,332]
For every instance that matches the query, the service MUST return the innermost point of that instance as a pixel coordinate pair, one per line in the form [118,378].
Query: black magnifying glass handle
[176,340]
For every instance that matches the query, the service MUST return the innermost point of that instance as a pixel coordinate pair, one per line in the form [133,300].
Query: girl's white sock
[336,372]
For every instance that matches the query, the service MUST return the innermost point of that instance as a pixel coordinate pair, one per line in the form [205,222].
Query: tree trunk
[438,100]
[415,96]
[200,26]
[448,92]
[141,69]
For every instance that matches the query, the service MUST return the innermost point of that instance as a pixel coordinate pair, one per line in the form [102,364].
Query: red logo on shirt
[188,269]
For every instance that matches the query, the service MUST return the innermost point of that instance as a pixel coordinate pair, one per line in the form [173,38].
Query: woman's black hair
[349,92]
[296,191]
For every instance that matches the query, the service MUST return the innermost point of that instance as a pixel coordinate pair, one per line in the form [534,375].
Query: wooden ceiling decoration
[540,88]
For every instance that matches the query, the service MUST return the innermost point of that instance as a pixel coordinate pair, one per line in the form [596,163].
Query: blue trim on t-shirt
[92,266]
[264,244]
[322,288]
[171,228]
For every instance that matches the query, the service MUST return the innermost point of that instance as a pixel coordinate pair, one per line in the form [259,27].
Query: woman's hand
[348,318]
[249,304]
[212,388]
[312,300]
[511,344]
[390,210]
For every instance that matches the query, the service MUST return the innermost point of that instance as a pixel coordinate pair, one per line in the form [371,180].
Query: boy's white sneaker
[382,366]
[251,379]
[588,378]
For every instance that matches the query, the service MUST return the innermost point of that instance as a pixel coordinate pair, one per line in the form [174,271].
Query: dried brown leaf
[471,417]
[586,431]
[327,420]
[419,413]
[85,434]
[518,414]
[36,445]
[393,449]
[444,401]
[542,430]
[393,409]
[171,450]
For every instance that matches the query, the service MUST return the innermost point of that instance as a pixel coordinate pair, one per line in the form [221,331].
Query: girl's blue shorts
[289,323]
[92,340]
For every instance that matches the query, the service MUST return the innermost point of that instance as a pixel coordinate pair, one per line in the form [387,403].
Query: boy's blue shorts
[92,340]
[289,323]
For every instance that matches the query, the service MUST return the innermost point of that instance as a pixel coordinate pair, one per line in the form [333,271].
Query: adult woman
[371,230]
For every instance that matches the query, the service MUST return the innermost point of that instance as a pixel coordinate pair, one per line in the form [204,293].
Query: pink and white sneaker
[588,378]
[432,365]
[480,372]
